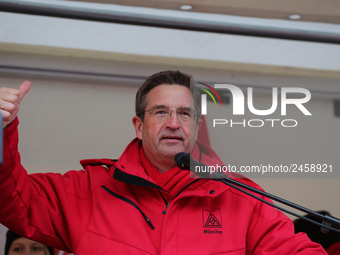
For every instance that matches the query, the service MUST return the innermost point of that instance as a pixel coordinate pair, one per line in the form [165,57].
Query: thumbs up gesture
[10,100]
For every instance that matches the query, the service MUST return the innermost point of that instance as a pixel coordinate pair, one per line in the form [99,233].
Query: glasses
[164,113]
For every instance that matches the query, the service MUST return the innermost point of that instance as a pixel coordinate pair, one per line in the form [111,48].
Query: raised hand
[10,100]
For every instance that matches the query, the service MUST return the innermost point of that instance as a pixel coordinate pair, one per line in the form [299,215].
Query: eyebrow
[158,107]
[14,245]
[183,108]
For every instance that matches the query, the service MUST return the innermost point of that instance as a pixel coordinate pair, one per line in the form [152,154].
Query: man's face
[164,137]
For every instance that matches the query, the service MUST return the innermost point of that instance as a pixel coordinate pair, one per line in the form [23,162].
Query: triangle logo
[212,219]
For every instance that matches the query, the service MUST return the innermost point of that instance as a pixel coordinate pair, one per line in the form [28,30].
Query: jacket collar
[128,168]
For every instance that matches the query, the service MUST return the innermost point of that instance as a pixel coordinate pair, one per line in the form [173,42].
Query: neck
[163,167]
[162,164]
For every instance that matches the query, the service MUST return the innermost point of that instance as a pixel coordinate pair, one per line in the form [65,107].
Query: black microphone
[186,162]
[182,160]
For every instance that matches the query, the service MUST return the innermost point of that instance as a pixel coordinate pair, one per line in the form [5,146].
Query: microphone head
[179,160]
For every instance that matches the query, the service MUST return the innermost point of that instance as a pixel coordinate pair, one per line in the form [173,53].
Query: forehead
[170,95]
[24,241]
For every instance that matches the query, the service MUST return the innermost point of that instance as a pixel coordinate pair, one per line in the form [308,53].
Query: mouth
[172,138]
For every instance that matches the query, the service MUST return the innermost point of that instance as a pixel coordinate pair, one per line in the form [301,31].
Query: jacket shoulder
[97,162]
[96,172]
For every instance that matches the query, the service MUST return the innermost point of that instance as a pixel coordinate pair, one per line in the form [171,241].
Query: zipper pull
[149,222]
[166,209]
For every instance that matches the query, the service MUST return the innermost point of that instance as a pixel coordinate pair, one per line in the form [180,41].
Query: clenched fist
[10,100]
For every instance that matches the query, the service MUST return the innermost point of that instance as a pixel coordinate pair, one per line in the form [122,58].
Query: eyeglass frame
[163,107]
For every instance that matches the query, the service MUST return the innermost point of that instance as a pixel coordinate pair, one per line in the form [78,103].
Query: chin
[172,152]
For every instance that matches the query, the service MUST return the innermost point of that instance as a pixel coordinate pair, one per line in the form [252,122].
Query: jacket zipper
[168,204]
[131,203]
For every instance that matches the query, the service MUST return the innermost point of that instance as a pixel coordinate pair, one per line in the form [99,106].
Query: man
[142,203]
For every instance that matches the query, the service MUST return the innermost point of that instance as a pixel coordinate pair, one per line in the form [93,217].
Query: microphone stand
[327,220]
[185,162]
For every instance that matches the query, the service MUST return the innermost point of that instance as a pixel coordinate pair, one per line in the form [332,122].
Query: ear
[138,124]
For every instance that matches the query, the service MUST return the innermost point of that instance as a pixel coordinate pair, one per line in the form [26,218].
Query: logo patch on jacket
[212,219]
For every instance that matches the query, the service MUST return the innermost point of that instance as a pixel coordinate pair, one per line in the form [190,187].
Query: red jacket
[114,207]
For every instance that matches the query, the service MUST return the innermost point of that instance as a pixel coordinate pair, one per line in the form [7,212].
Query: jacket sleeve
[40,206]
[272,232]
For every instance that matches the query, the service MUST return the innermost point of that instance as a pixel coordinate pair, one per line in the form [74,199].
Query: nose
[173,121]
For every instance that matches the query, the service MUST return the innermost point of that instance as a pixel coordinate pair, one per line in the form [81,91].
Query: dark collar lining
[134,180]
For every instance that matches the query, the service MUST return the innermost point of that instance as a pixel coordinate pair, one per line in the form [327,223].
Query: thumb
[24,88]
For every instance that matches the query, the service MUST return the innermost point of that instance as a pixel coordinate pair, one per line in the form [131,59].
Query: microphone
[182,160]
[186,162]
